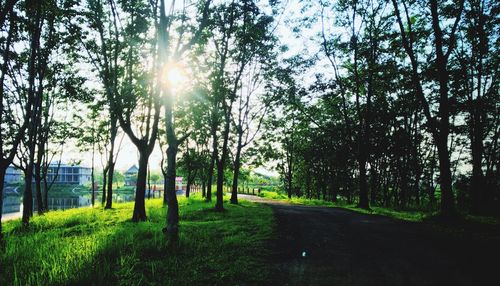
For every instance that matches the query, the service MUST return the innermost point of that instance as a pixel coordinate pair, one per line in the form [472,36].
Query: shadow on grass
[103,248]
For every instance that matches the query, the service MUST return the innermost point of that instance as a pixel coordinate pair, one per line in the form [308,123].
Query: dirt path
[333,246]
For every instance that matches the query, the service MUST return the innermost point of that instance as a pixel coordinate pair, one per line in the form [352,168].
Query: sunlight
[174,75]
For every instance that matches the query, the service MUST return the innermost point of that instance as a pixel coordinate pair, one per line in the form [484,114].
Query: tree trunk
[165,184]
[45,193]
[188,185]
[111,160]
[477,186]
[28,195]
[3,169]
[447,197]
[172,228]
[149,183]
[203,188]
[236,173]
[38,187]
[104,185]
[92,175]
[140,190]
[111,172]
[212,166]
[219,204]
[363,185]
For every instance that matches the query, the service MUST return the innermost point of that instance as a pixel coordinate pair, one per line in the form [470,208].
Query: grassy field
[95,247]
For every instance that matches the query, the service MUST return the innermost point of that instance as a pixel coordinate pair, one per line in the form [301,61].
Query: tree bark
[236,173]
[3,169]
[38,189]
[140,190]
[212,164]
[447,197]
[109,195]
[172,228]
[111,160]
[477,114]
[203,189]
[104,185]
[219,204]
[188,185]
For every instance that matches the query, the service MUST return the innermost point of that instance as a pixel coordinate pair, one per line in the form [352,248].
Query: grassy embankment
[92,246]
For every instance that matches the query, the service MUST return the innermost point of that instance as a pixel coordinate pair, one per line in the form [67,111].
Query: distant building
[178,184]
[65,174]
[12,175]
[131,176]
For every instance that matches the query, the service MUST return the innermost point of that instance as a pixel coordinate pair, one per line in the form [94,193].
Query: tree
[164,44]
[10,138]
[439,127]
[131,93]
[250,112]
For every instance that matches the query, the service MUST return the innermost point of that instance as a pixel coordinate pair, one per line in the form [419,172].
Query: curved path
[334,246]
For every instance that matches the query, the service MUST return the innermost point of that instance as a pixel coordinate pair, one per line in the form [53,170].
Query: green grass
[273,195]
[404,215]
[91,246]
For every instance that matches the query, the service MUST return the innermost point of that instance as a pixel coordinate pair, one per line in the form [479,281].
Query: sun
[174,75]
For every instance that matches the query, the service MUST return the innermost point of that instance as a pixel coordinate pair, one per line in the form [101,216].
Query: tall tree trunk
[34,117]
[111,160]
[172,228]
[28,195]
[3,169]
[212,165]
[165,184]
[140,190]
[38,188]
[92,175]
[188,185]
[236,173]
[149,183]
[45,193]
[447,197]
[203,188]
[363,185]
[109,196]
[477,113]
[219,204]
[104,185]
[477,185]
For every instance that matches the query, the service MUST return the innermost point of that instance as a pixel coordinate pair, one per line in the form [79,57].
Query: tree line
[91,73]
[402,109]
[392,103]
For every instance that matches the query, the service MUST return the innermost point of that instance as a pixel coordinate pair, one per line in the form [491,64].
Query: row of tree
[90,73]
[391,104]
[403,108]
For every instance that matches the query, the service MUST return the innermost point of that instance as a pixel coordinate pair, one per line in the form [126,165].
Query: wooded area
[385,103]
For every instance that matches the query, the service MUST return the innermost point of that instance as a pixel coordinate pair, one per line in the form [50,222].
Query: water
[13,206]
